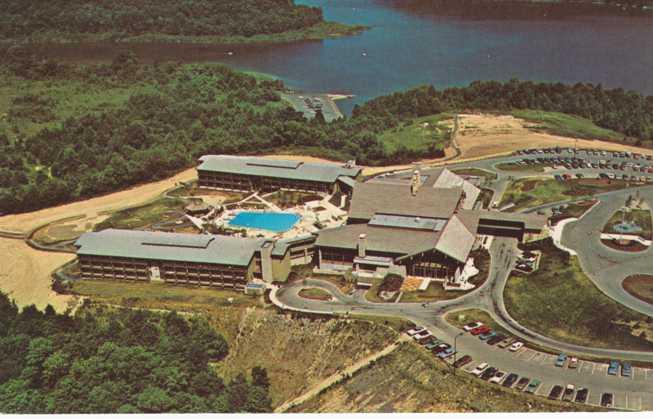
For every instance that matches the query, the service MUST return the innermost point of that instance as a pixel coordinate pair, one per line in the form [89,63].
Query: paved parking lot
[589,374]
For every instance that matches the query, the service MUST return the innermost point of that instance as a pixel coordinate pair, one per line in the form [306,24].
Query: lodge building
[245,174]
[426,227]
[213,260]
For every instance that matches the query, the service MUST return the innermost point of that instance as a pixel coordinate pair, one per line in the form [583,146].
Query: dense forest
[623,111]
[127,361]
[28,18]
[175,113]
[526,9]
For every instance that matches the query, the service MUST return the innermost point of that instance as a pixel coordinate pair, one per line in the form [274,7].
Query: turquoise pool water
[271,221]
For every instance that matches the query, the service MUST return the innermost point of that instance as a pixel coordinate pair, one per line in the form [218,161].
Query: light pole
[455,351]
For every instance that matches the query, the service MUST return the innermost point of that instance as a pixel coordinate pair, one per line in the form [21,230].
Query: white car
[471,326]
[516,346]
[413,332]
[422,335]
[479,369]
[498,377]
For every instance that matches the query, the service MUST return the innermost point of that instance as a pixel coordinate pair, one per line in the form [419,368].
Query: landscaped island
[218,21]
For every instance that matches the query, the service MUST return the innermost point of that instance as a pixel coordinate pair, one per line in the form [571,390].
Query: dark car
[606,400]
[581,395]
[462,361]
[488,373]
[522,383]
[495,340]
[440,348]
[556,392]
[510,380]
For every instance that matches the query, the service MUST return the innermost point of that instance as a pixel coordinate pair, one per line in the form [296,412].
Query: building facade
[247,174]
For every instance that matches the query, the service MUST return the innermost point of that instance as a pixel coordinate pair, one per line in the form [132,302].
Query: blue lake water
[411,45]
[278,222]
[406,47]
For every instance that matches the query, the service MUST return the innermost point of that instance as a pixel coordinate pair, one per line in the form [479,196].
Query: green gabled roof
[213,249]
[282,169]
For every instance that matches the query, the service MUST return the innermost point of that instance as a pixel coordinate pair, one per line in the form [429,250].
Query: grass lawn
[160,211]
[640,217]
[418,135]
[68,98]
[640,286]
[532,192]
[566,125]
[410,379]
[472,171]
[157,295]
[575,210]
[345,286]
[558,300]
[462,317]
[315,294]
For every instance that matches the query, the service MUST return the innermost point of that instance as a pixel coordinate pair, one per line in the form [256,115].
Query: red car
[480,330]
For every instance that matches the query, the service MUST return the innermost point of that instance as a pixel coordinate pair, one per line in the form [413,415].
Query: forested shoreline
[165,20]
[118,361]
[169,114]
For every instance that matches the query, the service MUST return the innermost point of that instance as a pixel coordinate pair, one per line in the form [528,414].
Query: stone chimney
[362,245]
[415,182]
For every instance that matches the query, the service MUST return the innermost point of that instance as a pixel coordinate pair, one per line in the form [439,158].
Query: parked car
[495,340]
[581,395]
[606,399]
[480,330]
[505,343]
[441,347]
[569,393]
[462,361]
[573,363]
[423,335]
[488,373]
[516,346]
[479,369]
[414,331]
[486,336]
[613,368]
[556,392]
[433,344]
[626,369]
[560,361]
[473,325]
[533,385]
[446,353]
[522,383]
[498,377]
[510,380]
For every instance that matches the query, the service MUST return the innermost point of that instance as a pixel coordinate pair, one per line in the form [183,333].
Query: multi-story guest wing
[259,174]
[176,258]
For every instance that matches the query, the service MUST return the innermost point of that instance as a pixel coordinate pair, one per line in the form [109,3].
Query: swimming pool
[271,221]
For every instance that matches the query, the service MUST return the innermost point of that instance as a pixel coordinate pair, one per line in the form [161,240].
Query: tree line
[180,112]
[27,18]
[127,361]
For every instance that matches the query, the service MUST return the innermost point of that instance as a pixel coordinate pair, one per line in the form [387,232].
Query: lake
[411,44]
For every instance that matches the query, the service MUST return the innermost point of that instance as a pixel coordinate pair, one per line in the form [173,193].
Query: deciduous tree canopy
[117,362]
[22,18]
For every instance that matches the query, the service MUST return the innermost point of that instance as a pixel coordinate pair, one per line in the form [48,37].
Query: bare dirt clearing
[481,135]
[92,207]
[25,275]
